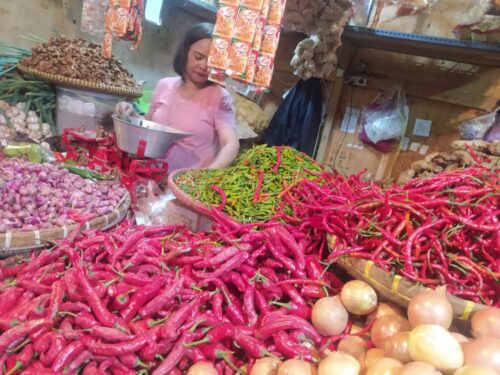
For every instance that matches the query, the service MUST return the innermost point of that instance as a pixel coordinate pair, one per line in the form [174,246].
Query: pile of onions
[421,344]
[40,196]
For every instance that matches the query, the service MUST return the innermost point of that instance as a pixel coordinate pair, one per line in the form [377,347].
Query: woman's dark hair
[196,33]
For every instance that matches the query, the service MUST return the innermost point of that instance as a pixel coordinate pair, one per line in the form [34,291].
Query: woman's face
[196,67]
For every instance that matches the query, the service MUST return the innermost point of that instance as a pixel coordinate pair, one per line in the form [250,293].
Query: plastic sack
[387,116]
[94,16]
[477,128]
[494,132]
[32,151]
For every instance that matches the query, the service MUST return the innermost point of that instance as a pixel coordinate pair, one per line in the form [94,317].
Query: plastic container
[79,108]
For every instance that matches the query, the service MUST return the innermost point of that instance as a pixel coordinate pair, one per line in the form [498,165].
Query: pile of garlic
[323,21]
[22,122]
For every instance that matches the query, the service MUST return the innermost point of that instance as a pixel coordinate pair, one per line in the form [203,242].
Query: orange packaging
[232,3]
[264,71]
[252,4]
[246,23]
[219,53]
[217,76]
[270,39]
[238,57]
[276,10]
[257,39]
[265,8]
[226,18]
[250,70]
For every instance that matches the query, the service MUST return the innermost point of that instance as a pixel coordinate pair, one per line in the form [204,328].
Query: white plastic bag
[387,116]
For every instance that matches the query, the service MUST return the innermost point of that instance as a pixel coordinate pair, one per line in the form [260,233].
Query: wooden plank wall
[444,92]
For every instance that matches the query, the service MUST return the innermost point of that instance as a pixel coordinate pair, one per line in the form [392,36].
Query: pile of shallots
[39,196]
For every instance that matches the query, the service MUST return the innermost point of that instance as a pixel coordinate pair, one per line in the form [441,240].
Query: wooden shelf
[198,8]
[475,53]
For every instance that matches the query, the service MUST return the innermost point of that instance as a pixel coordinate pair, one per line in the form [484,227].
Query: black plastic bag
[297,121]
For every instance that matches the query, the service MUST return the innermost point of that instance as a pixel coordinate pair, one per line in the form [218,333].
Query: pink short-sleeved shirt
[210,110]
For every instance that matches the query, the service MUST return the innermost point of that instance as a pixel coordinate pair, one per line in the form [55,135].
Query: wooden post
[333,104]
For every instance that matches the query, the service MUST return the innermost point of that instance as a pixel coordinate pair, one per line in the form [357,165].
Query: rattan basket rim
[57,79]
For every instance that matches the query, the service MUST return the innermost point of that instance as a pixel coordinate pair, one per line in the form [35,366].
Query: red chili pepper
[68,354]
[223,255]
[126,246]
[295,308]
[312,291]
[96,304]
[286,322]
[56,299]
[110,334]
[256,194]
[85,320]
[228,266]
[78,361]
[91,369]
[35,287]
[22,360]
[289,241]
[261,303]
[169,329]
[9,298]
[20,331]
[222,194]
[66,328]
[249,306]
[174,356]
[148,352]
[252,347]
[289,348]
[161,300]
[123,347]
[141,297]
[45,257]
[280,256]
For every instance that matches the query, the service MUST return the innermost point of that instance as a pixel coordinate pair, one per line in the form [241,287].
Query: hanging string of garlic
[16,120]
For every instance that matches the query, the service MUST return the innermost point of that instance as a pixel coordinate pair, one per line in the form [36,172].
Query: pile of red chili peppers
[156,299]
[443,230]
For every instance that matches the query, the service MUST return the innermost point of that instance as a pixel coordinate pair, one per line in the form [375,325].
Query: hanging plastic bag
[94,16]
[123,21]
[476,128]
[387,116]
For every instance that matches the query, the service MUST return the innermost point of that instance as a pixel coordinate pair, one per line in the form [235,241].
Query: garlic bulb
[23,123]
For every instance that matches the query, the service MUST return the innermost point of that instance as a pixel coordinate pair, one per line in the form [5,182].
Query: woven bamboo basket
[184,198]
[399,290]
[81,84]
[15,243]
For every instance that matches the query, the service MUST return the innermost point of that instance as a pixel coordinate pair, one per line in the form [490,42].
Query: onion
[329,316]
[460,338]
[475,370]
[384,309]
[397,347]
[430,307]
[486,322]
[296,367]
[368,358]
[385,366]
[352,345]
[358,297]
[484,351]
[386,327]
[265,366]
[339,363]
[418,368]
[202,368]
[433,344]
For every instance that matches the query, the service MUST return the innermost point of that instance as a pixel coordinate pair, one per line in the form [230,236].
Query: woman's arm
[230,146]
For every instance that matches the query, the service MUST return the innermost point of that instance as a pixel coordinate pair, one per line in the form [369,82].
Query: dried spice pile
[79,59]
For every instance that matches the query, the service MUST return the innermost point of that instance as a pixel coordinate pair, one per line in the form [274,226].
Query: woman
[193,104]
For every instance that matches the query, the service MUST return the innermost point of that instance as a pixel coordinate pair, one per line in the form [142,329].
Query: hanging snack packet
[226,18]
[219,53]
[238,57]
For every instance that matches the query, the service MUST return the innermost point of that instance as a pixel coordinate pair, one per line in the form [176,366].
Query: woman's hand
[125,108]
[230,146]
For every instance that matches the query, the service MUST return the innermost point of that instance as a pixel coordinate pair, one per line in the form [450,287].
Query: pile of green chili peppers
[250,190]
